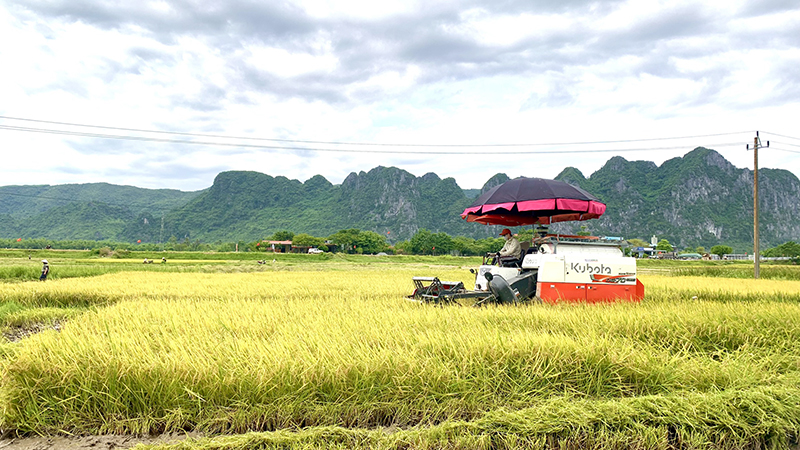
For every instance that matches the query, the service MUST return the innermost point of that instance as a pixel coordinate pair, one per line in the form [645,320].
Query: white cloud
[357,9]
[284,63]
[389,72]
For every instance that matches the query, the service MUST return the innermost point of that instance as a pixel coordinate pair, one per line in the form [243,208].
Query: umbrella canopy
[529,201]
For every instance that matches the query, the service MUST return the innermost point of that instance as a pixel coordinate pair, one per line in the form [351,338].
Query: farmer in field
[511,251]
[45,270]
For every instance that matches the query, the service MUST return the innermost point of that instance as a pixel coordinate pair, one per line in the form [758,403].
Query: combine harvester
[553,268]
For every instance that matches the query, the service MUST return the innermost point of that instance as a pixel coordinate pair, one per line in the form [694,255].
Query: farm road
[87,442]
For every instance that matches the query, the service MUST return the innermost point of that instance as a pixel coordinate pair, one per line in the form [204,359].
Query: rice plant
[700,362]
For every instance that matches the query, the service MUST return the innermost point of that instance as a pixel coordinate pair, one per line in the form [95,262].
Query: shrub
[121,253]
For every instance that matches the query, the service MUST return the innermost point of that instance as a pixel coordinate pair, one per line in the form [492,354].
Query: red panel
[567,292]
[489,208]
[591,293]
[597,208]
[570,204]
[599,293]
[537,205]
[639,291]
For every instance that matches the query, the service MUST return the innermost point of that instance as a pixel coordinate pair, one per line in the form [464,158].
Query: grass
[80,264]
[769,270]
[329,355]
[643,422]
[136,255]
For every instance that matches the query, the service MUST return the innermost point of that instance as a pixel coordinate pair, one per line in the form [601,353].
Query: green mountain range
[699,199]
[93,211]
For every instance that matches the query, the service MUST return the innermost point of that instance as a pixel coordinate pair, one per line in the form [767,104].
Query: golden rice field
[338,359]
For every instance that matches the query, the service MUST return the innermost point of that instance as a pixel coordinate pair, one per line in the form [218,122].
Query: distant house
[278,246]
[288,247]
[300,248]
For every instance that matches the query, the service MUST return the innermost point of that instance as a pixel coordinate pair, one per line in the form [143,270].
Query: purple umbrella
[529,201]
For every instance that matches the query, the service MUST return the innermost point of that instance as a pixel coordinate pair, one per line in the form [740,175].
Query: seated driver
[511,251]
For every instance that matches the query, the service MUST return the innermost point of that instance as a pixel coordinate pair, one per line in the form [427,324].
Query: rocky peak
[430,177]
[714,159]
[572,176]
[617,163]
[496,180]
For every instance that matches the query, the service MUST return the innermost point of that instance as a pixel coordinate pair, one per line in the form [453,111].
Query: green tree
[425,242]
[790,248]
[442,243]
[354,240]
[171,243]
[224,246]
[283,235]
[700,249]
[638,243]
[465,246]
[422,242]
[664,245]
[721,250]
[490,245]
[371,242]
[525,235]
[403,248]
[347,240]
[306,240]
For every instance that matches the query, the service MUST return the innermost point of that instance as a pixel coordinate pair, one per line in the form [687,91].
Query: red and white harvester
[552,268]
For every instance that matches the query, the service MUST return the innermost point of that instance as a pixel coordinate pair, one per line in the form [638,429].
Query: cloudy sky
[166,94]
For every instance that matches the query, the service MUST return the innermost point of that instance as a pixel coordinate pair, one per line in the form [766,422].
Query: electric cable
[784,143]
[222,136]
[779,149]
[335,150]
[781,135]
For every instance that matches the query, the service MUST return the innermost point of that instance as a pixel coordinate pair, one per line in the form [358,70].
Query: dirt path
[87,442]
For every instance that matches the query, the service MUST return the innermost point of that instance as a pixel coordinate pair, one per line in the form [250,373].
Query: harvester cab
[556,268]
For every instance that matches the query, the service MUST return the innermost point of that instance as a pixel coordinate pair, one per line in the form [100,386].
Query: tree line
[424,242]
[356,241]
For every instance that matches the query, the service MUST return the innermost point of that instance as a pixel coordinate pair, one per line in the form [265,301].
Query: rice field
[333,357]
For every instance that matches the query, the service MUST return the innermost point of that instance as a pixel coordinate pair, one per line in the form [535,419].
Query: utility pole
[756,249]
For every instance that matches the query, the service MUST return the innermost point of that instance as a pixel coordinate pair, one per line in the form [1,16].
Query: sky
[168,93]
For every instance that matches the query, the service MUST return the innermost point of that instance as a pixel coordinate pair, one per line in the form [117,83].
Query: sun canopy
[529,201]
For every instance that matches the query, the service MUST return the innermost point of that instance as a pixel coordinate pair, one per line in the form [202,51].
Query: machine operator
[511,251]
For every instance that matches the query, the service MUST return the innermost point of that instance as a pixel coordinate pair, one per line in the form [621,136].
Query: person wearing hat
[511,251]
[45,270]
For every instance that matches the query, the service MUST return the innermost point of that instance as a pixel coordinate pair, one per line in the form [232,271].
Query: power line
[784,150]
[222,136]
[340,150]
[786,143]
[780,135]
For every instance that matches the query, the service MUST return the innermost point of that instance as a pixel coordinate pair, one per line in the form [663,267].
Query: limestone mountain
[388,200]
[699,199]
[91,211]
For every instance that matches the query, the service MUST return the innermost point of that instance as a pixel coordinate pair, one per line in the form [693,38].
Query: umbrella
[530,201]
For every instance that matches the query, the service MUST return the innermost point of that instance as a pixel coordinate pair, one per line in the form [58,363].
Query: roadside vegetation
[326,353]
